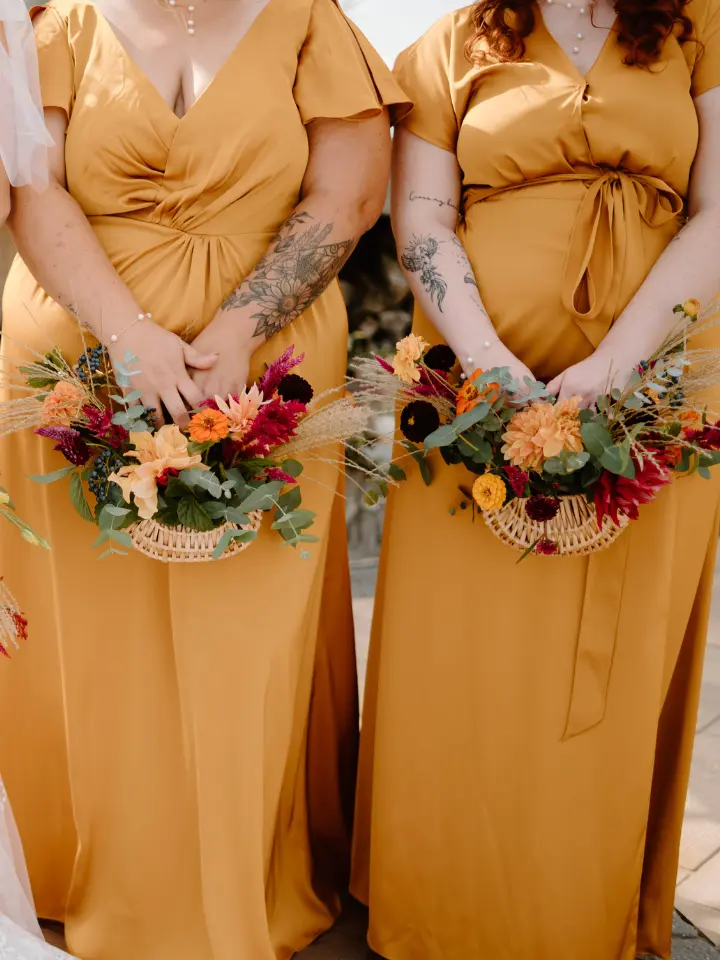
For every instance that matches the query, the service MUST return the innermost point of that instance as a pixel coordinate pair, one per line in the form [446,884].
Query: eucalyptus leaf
[116,511]
[136,411]
[119,536]
[596,438]
[291,500]
[442,437]
[77,498]
[466,420]
[396,472]
[420,460]
[262,497]
[46,478]
[231,536]
[202,480]
[232,514]
[292,467]
[215,510]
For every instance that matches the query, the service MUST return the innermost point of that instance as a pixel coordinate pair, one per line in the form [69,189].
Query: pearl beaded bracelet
[141,316]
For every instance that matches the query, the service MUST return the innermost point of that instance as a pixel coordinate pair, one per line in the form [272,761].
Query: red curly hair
[643,27]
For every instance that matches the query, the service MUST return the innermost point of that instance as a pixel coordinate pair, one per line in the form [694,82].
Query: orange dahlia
[209,425]
[541,431]
[63,405]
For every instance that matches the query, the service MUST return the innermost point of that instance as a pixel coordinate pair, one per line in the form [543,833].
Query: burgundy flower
[616,495]
[293,387]
[166,475]
[542,509]
[546,548]
[517,479]
[99,423]
[277,371]
[275,473]
[275,424]
[70,443]
[708,438]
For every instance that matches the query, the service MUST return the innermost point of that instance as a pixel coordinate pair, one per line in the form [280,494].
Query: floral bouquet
[552,478]
[13,624]
[180,495]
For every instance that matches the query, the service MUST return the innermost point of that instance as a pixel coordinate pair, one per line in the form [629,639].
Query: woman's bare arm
[61,250]
[342,196]
[426,190]
[689,267]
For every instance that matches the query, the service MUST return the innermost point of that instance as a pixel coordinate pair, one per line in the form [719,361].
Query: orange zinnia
[469,395]
[209,425]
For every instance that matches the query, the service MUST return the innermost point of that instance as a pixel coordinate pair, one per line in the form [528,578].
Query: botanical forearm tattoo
[419,257]
[296,270]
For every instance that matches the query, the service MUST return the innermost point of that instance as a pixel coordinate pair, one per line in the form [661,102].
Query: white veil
[24,139]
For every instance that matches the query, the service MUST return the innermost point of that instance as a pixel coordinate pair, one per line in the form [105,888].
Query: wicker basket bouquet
[551,478]
[181,495]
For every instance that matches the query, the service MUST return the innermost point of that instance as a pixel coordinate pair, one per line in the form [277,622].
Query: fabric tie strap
[614,207]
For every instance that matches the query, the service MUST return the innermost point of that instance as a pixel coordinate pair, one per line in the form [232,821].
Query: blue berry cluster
[90,363]
[106,463]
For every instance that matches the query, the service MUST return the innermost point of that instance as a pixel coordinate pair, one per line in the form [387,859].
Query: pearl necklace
[186,11]
[582,10]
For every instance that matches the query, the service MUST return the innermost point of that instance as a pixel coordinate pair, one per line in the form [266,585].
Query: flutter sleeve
[423,71]
[55,58]
[706,72]
[340,75]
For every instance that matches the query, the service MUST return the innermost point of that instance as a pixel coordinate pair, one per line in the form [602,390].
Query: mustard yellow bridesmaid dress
[179,741]
[528,729]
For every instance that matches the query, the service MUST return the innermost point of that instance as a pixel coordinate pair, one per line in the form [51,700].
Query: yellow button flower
[489,492]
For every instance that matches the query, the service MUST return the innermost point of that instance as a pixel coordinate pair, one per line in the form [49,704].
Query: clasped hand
[176,376]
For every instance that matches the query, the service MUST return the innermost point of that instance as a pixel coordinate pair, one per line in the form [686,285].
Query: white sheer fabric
[23,136]
[20,935]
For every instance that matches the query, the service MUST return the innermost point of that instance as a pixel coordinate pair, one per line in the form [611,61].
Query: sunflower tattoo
[297,269]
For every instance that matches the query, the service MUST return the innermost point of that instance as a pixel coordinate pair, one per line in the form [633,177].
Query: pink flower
[616,495]
[546,548]
[517,479]
[99,423]
[275,473]
[70,443]
[278,369]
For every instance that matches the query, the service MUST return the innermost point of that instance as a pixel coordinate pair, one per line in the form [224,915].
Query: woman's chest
[533,119]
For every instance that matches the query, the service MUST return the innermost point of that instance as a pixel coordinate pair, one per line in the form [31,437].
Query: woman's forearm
[59,247]
[443,283]
[303,259]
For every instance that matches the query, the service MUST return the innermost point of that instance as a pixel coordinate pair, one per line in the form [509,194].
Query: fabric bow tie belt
[605,235]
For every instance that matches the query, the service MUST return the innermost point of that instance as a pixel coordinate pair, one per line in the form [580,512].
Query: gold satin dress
[180,739]
[528,729]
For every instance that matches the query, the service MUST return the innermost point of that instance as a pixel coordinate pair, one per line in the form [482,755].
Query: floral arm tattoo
[299,266]
[421,255]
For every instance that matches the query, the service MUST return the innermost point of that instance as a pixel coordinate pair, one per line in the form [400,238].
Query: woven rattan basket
[180,545]
[573,529]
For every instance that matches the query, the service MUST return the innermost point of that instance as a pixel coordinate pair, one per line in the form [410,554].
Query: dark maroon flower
[293,387]
[418,420]
[546,548]
[277,371]
[616,495]
[542,509]
[517,479]
[440,357]
[70,443]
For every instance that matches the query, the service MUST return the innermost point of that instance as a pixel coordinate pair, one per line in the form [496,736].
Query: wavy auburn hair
[643,27]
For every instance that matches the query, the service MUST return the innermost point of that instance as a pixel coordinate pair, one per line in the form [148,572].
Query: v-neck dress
[527,729]
[183,749]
